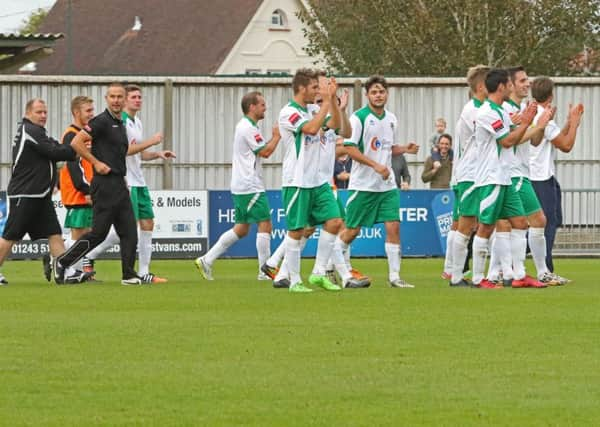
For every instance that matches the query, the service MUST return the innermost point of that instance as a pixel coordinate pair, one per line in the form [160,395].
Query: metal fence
[580,233]
[198,116]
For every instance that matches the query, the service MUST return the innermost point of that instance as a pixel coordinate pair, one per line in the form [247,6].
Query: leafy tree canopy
[444,38]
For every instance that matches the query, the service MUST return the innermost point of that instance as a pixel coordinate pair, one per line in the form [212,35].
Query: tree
[445,37]
[33,22]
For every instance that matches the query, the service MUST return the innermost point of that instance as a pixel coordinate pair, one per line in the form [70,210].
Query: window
[278,72]
[278,19]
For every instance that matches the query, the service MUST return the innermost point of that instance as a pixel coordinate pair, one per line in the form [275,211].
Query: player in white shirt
[466,202]
[501,257]
[309,202]
[330,140]
[140,196]
[374,197]
[541,161]
[247,187]
[498,198]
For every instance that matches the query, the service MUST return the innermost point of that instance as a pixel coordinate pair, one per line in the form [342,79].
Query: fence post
[167,166]
[357,101]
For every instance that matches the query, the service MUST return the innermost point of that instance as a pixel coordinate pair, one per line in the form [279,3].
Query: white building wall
[263,47]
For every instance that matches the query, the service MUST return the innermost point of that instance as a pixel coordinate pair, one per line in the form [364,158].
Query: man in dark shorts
[29,193]
[110,196]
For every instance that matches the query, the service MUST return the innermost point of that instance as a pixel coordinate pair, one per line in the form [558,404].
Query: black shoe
[47,264]
[78,277]
[281,284]
[354,283]
[462,284]
[59,272]
[3,281]
[507,283]
[269,271]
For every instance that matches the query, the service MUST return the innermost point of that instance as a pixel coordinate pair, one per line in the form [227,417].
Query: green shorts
[499,202]
[79,217]
[455,204]
[531,204]
[367,208]
[339,203]
[251,208]
[467,199]
[141,202]
[307,207]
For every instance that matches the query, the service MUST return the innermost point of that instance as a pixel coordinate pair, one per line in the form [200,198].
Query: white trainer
[204,268]
[399,283]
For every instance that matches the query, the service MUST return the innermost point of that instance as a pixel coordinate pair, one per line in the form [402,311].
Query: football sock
[225,241]
[145,250]
[518,246]
[392,251]
[537,244]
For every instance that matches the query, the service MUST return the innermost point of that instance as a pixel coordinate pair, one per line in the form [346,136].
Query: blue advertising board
[426,217]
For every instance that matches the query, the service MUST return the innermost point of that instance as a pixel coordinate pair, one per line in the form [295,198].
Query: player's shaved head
[115,86]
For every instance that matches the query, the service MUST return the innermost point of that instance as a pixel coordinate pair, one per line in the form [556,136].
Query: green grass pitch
[236,352]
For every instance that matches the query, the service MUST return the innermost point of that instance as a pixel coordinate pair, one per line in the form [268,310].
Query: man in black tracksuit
[111,203]
[30,209]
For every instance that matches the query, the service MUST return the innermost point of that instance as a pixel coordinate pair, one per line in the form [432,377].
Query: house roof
[17,50]
[11,43]
[182,37]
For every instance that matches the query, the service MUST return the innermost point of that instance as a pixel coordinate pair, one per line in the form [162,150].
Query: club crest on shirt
[375,144]
[258,138]
[497,125]
[312,139]
[294,118]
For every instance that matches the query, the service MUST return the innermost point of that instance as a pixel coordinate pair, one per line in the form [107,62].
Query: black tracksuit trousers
[111,205]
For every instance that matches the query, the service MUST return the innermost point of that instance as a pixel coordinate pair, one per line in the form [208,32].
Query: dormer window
[278,20]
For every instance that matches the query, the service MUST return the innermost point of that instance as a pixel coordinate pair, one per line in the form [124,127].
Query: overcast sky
[13,12]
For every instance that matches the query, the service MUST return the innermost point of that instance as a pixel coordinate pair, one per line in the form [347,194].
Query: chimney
[137,24]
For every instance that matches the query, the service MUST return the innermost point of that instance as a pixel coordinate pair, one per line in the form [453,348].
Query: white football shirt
[135,134]
[542,157]
[246,171]
[464,166]
[521,166]
[492,124]
[301,150]
[374,136]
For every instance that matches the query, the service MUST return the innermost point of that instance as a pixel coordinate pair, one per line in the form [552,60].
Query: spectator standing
[439,173]
[341,171]
[434,139]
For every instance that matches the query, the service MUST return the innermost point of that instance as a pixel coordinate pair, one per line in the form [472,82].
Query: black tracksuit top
[34,157]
